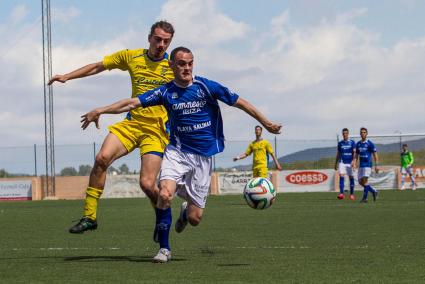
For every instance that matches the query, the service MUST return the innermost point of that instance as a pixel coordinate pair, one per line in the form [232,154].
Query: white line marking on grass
[355,247]
[53,249]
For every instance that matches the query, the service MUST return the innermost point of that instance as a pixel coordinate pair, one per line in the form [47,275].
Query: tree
[124,170]
[112,171]
[3,173]
[69,171]
[84,170]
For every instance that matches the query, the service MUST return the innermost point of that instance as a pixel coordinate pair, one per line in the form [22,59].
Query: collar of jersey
[153,60]
[175,83]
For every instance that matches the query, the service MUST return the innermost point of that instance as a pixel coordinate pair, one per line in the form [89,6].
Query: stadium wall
[119,186]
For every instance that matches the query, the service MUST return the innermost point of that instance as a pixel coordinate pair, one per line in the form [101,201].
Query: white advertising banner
[15,190]
[419,173]
[386,179]
[306,181]
[233,182]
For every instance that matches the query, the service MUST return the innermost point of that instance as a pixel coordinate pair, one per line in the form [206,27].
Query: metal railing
[292,154]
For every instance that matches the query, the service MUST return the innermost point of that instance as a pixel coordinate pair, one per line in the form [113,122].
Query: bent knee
[194,219]
[147,184]
[103,160]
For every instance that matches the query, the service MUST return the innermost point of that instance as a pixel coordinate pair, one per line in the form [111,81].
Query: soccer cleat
[352,197]
[403,187]
[340,196]
[181,222]
[83,225]
[163,256]
[414,187]
[374,195]
[363,201]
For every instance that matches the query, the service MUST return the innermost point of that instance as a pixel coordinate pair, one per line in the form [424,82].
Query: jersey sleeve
[269,148]
[372,147]
[153,97]
[249,149]
[219,91]
[411,159]
[117,60]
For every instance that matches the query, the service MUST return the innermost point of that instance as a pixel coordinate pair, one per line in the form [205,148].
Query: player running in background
[143,128]
[344,163]
[406,167]
[196,135]
[261,149]
[365,150]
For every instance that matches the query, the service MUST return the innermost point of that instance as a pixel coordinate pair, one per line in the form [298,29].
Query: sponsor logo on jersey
[200,93]
[153,95]
[174,95]
[306,177]
[190,128]
[185,105]
[144,80]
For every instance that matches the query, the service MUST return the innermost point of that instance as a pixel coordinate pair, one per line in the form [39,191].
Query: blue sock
[163,224]
[341,185]
[351,185]
[365,191]
[369,188]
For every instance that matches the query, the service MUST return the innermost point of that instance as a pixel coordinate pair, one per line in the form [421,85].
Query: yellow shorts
[148,135]
[260,172]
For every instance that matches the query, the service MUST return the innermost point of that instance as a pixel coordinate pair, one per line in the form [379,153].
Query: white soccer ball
[259,193]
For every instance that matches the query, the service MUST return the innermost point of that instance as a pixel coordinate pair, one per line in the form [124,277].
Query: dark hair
[344,129]
[363,128]
[404,145]
[164,25]
[177,49]
[259,127]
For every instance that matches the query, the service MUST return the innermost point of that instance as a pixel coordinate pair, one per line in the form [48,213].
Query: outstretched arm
[255,113]
[118,107]
[88,70]
[240,157]
[276,161]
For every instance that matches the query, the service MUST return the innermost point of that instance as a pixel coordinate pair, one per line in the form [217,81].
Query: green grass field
[302,238]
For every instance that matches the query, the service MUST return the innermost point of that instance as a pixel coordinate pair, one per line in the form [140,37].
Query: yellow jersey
[261,149]
[145,74]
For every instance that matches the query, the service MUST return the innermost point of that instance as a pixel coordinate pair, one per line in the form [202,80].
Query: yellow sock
[90,205]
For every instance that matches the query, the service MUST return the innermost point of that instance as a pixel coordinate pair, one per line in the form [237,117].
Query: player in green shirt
[406,167]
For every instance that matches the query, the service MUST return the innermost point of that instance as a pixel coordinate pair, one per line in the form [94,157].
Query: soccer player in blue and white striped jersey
[365,150]
[344,163]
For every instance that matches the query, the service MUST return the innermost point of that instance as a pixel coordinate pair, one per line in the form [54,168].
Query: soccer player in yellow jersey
[261,148]
[148,69]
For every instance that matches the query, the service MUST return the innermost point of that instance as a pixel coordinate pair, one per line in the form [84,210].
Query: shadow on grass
[233,264]
[86,258]
[90,258]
